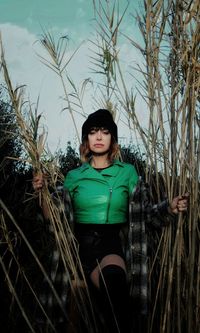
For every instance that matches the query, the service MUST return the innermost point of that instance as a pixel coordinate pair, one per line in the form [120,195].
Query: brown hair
[85,153]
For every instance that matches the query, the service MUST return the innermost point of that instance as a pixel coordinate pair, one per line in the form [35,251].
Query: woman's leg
[111,259]
[110,278]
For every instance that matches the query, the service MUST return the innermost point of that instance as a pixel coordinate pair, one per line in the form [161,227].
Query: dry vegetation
[170,86]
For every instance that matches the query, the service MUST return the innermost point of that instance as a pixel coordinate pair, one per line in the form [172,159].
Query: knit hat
[100,118]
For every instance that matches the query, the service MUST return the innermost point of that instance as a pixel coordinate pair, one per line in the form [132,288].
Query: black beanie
[100,118]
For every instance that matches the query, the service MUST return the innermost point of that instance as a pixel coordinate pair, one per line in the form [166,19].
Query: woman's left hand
[179,204]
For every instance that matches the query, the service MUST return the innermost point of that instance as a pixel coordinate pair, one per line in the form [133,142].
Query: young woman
[100,190]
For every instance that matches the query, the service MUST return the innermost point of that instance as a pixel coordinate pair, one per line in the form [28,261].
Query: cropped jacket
[101,197]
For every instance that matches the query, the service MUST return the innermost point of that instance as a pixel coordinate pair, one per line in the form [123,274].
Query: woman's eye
[105,131]
[96,129]
[92,131]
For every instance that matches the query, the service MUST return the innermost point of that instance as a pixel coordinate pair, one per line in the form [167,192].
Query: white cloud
[80,13]
[25,68]
[18,43]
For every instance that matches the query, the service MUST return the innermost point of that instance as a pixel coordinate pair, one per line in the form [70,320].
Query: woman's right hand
[38,181]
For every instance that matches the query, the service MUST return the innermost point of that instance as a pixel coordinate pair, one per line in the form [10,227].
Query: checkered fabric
[141,213]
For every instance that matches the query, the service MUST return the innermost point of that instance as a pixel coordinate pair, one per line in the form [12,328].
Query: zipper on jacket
[109,200]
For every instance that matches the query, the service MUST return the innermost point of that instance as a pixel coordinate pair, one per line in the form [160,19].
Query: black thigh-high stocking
[115,298]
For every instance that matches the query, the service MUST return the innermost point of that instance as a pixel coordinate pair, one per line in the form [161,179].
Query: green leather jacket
[101,197]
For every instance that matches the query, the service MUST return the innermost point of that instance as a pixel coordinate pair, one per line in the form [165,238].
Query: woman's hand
[38,181]
[179,204]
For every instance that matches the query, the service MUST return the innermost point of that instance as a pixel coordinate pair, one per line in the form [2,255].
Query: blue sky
[21,24]
[63,15]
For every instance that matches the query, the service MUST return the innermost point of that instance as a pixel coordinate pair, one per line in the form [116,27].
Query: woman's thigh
[111,259]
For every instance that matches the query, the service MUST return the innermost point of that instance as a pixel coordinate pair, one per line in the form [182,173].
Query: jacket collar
[112,171]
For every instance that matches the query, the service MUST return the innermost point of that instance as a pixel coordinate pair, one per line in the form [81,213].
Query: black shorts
[97,241]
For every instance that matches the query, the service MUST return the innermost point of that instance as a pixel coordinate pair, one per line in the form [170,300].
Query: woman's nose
[99,135]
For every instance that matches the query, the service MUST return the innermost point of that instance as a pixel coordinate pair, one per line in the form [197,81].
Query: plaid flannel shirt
[141,212]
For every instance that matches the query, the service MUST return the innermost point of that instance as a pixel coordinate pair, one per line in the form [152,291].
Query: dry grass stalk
[34,145]
[58,61]
[170,31]
[6,238]
[173,86]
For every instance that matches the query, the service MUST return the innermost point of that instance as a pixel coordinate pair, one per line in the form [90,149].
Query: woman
[100,191]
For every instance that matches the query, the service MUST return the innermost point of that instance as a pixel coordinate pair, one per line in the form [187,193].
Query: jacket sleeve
[62,200]
[141,204]
[69,182]
[133,179]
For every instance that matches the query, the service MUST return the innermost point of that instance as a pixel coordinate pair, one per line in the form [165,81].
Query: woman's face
[99,139]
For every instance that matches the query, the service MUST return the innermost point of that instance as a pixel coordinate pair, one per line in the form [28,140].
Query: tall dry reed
[170,86]
[65,242]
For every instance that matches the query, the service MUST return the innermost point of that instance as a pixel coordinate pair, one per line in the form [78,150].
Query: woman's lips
[98,145]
